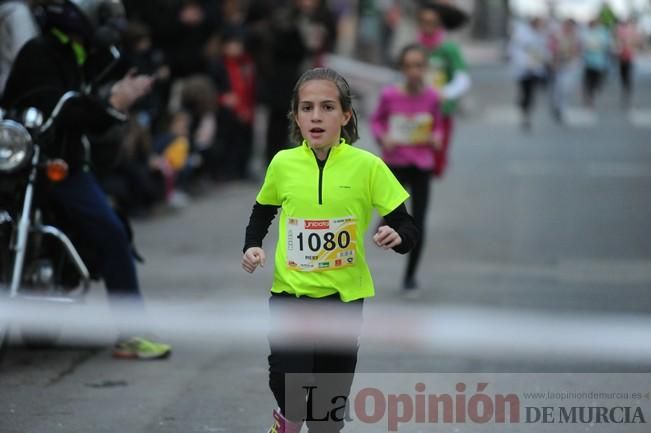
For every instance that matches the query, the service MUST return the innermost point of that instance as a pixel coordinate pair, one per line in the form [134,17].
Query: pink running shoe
[283,425]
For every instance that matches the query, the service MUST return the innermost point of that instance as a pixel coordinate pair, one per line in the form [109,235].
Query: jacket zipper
[321,167]
[321,183]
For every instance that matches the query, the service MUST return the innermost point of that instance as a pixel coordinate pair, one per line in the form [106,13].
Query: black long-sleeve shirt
[399,220]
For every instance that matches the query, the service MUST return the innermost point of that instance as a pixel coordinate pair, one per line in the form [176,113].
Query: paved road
[552,226]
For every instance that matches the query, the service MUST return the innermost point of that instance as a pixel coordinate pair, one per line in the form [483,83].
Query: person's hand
[387,143]
[387,238]
[253,257]
[436,142]
[230,100]
[129,89]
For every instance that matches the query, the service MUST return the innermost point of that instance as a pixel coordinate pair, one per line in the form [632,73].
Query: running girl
[327,190]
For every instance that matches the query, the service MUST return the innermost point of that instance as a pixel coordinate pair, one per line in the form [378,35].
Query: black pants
[527,94]
[85,205]
[592,82]
[418,183]
[626,76]
[323,372]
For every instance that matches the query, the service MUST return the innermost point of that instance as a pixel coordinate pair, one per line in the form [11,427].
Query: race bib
[321,245]
[436,75]
[413,130]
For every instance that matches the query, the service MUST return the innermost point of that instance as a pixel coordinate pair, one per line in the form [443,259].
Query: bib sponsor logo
[317,224]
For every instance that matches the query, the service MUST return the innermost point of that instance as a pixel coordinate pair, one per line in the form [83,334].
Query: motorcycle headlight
[15,146]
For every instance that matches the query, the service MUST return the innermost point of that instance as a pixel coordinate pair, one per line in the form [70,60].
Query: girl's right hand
[253,257]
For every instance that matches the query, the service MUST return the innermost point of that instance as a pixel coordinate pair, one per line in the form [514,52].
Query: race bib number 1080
[321,245]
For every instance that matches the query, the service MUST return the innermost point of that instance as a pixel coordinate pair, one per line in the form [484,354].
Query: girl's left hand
[436,142]
[387,238]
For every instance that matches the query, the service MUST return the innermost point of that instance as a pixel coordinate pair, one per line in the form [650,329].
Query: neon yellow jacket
[324,218]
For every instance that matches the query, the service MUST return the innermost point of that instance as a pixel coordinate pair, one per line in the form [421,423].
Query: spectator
[131,184]
[288,40]
[233,73]
[195,24]
[196,96]
[172,149]
[141,55]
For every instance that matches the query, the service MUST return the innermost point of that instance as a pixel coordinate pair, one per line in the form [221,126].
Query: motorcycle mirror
[32,118]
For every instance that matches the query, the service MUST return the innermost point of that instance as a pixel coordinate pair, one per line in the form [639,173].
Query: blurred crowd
[561,54]
[215,62]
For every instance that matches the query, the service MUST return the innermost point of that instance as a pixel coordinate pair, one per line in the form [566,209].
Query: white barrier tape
[477,332]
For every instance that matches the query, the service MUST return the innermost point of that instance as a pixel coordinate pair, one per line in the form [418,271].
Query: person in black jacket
[65,59]
[285,41]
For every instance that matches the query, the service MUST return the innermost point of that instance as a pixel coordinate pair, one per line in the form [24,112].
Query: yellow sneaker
[141,348]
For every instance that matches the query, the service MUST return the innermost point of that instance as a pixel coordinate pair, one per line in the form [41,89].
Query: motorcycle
[40,258]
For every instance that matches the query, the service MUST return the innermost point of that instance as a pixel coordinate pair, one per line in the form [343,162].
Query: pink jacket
[410,120]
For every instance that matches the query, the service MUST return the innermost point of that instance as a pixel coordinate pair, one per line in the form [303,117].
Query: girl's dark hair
[349,132]
[407,49]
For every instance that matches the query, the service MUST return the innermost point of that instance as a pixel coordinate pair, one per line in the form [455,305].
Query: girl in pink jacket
[407,125]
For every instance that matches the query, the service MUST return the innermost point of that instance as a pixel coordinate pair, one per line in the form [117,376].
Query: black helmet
[96,21]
